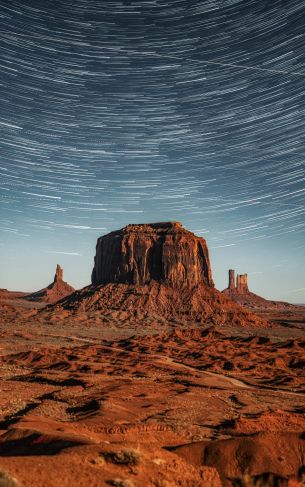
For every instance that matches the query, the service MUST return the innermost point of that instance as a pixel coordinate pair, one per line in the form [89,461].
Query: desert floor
[76,392]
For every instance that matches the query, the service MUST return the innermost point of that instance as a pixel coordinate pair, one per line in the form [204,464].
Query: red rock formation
[5,294]
[161,252]
[156,271]
[282,454]
[240,294]
[57,290]
[58,274]
[231,279]
[242,283]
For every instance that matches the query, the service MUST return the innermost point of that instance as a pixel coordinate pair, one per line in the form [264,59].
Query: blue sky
[137,111]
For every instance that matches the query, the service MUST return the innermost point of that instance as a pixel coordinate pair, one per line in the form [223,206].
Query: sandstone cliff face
[57,290]
[162,252]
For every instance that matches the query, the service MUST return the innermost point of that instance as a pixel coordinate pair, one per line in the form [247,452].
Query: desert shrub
[128,457]
[120,483]
[7,481]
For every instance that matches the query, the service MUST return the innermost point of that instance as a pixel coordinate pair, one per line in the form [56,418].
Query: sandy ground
[74,393]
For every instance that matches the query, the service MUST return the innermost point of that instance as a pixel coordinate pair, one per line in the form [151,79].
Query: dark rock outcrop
[162,252]
[57,290]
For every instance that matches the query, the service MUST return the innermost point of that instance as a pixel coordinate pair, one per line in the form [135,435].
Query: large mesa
[163,252]
[157,272]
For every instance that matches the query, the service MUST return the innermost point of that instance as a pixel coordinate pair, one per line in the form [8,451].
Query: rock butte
[156,270]
[161,252]
[57,290]
[239,292]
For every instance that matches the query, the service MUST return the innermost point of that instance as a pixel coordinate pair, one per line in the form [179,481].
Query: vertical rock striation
[161,252]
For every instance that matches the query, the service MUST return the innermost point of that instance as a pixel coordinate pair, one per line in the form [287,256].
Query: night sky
[117,112]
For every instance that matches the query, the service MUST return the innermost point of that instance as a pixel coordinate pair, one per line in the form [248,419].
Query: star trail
[133,111]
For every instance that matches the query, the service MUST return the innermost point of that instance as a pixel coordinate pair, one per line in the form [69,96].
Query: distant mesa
[57,290]
[156,271]
[6,294]
[238,286]
[239,292]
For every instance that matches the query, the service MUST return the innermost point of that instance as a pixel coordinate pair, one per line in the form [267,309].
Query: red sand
[79,386]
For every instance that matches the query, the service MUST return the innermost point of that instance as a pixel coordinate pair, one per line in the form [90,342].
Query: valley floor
[75,396]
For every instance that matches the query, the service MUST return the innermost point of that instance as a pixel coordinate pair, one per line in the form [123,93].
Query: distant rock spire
[58,274]
[242,283]
[231,279]
[58,289]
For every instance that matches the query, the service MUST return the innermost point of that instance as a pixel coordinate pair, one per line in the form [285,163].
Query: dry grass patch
[120,483]
[128,456]
[7,481]
[266,480]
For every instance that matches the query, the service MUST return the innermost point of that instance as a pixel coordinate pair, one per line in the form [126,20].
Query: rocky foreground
[188,407]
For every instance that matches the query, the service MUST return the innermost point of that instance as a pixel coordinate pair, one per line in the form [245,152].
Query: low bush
[7,481]
[128,457]
[265,480]
[120,483]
